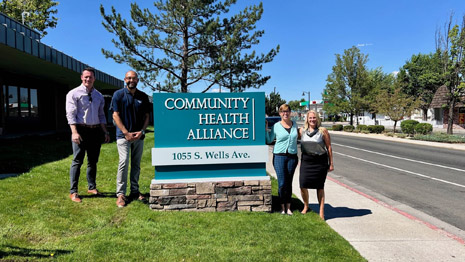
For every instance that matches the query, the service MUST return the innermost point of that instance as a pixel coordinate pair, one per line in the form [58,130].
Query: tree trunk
[395,123]
[185,59]
[425,114]
[450,121]
[351,119]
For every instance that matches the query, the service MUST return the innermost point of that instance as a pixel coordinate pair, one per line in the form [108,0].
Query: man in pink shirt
[86,118]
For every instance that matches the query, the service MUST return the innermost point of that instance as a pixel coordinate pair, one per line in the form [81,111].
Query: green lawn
[38,221]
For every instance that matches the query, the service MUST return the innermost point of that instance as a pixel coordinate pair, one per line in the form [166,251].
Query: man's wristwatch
[143,132]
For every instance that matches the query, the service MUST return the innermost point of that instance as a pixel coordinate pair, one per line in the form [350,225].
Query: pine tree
[188,42]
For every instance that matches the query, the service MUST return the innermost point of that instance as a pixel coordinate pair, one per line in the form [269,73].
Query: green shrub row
[423,128]
[348,128]
[408,126]
[377,129]
[365,129]
[337,127]
[411,127]
[362,127]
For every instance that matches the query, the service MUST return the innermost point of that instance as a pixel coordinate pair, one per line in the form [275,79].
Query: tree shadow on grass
[19,155]
[23,154]
[29,253]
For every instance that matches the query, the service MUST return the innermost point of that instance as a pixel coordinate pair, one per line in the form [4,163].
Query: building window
[34,104]
[12,100]
[24,102]
[5,104]
[21,102]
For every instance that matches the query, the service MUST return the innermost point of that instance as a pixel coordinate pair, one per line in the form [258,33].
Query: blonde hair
[318,119]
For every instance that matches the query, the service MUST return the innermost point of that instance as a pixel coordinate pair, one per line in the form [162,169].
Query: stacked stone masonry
[248,195]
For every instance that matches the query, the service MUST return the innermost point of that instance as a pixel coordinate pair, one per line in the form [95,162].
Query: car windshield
[273,120]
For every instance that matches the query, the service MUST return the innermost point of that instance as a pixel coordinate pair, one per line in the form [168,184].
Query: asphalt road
[428,179]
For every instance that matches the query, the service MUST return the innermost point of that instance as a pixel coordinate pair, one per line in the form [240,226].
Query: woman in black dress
[316,160]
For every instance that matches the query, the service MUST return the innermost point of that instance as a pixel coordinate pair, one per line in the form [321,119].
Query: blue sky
[309,33]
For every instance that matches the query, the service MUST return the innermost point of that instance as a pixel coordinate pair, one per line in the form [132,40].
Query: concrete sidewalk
[381,231]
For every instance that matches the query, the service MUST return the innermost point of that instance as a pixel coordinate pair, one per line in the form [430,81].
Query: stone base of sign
[242,195]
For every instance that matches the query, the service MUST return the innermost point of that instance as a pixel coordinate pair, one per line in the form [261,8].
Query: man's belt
[88,126]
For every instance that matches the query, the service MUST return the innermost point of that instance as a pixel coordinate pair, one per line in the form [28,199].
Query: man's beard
[131,86]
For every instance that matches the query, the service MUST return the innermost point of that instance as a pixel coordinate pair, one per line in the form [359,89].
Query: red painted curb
[405,214]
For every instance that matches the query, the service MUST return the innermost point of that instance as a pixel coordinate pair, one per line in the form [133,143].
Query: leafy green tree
[347,85]
[295,105]
[190,41]
[272,103]
[40,13]
[395,104]
[420,77]
[451,47]
[377,82]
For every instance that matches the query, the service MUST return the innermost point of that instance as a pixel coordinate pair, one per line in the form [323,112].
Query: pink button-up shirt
[82,109]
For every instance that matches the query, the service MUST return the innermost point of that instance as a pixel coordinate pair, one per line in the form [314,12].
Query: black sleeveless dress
[314,162]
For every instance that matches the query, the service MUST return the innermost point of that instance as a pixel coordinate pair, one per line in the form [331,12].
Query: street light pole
[303,94]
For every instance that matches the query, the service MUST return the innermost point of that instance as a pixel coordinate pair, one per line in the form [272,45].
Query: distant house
[34,81]
[439,103]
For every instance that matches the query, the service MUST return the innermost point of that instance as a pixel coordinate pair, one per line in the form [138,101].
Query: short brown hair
[284,107]
[90,69]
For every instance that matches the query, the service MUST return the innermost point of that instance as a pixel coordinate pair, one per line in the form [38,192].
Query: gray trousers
[135,148]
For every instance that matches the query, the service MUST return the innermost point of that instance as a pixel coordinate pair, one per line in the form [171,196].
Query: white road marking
[402,158]
[402,170]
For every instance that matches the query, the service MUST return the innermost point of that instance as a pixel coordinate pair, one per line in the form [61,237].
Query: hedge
[337,127]
[423,128]
[408,126]
[378,129]
[362,127]
[348,128]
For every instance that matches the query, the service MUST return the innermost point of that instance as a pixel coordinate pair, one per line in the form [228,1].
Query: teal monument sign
[209,137]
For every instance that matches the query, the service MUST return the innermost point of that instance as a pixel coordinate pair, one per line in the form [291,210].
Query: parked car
[272,120]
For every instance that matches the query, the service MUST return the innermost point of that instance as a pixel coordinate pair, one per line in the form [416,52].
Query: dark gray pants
[90,144]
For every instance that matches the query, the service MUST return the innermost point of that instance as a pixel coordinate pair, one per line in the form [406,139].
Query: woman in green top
[284,154]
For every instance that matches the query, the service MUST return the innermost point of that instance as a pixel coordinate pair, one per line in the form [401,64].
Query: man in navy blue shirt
[131,109]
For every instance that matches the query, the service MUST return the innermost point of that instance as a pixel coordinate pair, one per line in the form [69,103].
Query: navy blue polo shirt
[131,109]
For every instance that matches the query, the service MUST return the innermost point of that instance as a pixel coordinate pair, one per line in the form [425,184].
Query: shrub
[362,127]
[423,128]
[337,127]
[348,128]
[378,129]
[391,134]
[401,135]
[365,132]
[408,126]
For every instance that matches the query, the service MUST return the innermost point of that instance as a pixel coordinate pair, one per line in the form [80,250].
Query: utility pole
[303,94]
